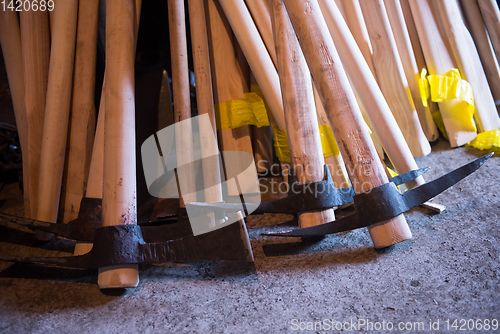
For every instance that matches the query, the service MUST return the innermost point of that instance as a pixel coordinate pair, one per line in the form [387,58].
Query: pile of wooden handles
[364,58]
[51,61]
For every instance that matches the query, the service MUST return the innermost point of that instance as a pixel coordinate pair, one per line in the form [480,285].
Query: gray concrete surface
[448,271]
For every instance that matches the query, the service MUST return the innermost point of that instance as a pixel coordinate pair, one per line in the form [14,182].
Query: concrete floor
[449,270]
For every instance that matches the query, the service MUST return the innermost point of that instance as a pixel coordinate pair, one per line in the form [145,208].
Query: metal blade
[408,176]
[125,244]
[418,195]
[385,202]
[305,197]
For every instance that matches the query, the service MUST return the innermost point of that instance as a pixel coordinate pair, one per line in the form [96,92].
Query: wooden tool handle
[491,17]
[438,62]
[403,42]
[182,103]
[119,193]
[262,17]
[469,64]
[481,40]
[205,100]
[57,109]
[35,40]
[369,93]
[306,154]
[229,71]
[82,121]
[390,76]
[357,26]
[256,54]
[365,169]
[335,162]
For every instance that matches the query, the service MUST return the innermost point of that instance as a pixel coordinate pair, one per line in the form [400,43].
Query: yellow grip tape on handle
[250,110]
[281,144]
[449,86]
[486,140]
[328,143]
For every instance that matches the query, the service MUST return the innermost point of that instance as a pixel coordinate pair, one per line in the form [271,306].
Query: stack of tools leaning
[326,92]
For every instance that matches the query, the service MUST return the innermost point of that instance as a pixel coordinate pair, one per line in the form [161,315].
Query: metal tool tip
[276,233]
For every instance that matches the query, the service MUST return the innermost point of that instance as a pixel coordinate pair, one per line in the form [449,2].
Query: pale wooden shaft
[10,39]
[405,49]
[469,64]
[230,81]
[204,97]
[491,17]
[412,31]
[96,170]
[356,23]
[257,56]
[365,169]
[340,5]
[122,276]
[390,76]
[262,17]
[335,162]
[181,98]
[57,109]
[481,39]
[415,43]
[180,71]
[369,93]
[119,189]
[82,120]
[306,154]
[438,62]
[262,143]
[35,41]
[262,137]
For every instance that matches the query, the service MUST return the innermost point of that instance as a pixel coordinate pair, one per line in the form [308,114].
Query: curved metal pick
[385,202]
[127,244]
[310,196]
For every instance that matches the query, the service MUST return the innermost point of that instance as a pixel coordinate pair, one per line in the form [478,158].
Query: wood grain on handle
[205,100]
[57,109]
[391,78]
[438,62]
[335,162]
[405,50]
[95,181]
[82,119]
[257,56]
[369,93]
[229,83]
[469,64]
[306,154]
[356,23]
[415,43]
[35,41]
[119,201]
[491,17]
[482,42]
[364,167]
[182,103]
[261,15]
